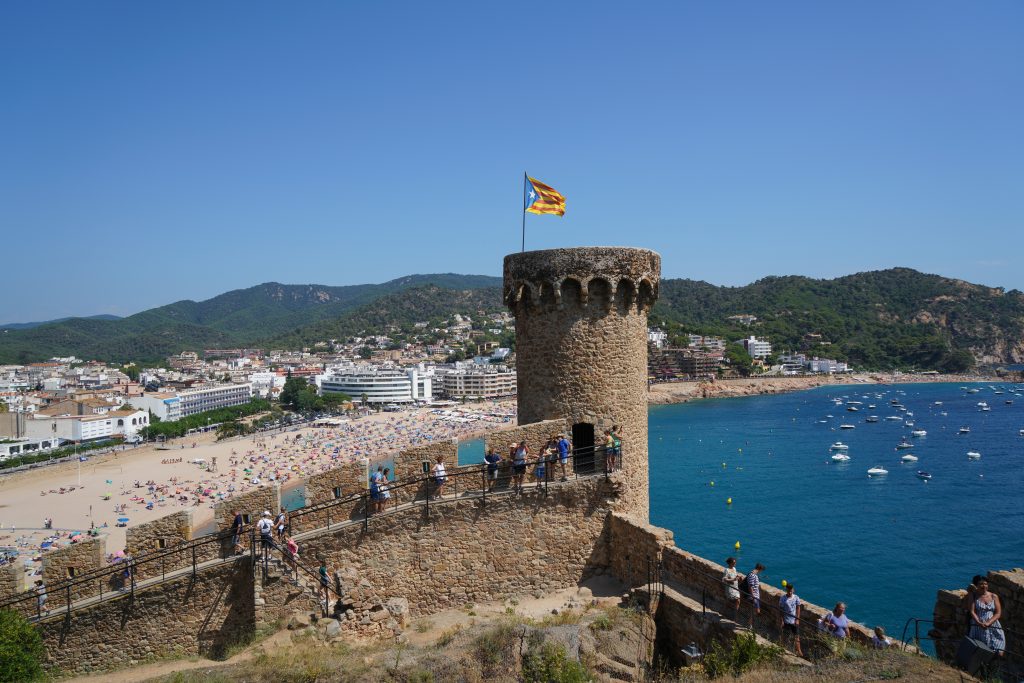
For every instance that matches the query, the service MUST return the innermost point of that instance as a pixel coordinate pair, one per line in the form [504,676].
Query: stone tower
[581,347]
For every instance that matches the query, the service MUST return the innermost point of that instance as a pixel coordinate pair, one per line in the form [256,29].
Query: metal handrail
[130,566]
[576,456]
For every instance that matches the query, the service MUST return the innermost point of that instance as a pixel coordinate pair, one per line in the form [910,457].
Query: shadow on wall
[238,625]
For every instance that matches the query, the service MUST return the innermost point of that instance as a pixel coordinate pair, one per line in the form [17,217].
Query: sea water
[884,545]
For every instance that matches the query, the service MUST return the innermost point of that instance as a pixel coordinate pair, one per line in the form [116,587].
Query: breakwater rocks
[681,392]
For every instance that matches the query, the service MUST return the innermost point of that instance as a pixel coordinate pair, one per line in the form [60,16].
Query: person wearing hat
[266,528]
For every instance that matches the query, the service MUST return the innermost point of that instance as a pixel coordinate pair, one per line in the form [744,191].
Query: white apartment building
[656,337]
[479,381]
[379,384]
[757,348]
[174,406]
[710,343]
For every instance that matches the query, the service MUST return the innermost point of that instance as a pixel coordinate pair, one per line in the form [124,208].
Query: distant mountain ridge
[881,319]
[28,326]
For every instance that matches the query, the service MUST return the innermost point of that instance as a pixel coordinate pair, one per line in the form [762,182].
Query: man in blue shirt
[492,459]
[564,446]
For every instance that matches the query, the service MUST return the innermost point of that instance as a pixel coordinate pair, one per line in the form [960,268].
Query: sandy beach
[147,483]
[681,392]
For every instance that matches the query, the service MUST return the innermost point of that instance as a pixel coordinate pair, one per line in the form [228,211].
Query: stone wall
[12,580]
[165,532]
[252,503]
[472,551]
[348,478]
[176,618]
[581,345]
[73,560]
[633,542]
[681,621]
[952,617]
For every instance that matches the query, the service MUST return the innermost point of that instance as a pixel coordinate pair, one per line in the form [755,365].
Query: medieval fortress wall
[581,330]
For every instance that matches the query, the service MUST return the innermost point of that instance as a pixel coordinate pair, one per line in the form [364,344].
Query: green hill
[241,317]
[876,320]
[881,319]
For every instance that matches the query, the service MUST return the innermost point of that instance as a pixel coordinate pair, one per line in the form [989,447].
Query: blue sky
[160,151]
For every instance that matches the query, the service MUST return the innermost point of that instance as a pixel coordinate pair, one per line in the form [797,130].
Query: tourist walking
[281,523]
[753,582]
[491,458]
[564,446]
[521,453]
[292,549]
[836,622]
[375,480]
[440,475]
[616,448]
[266,529]
[789,608]
[325,583]
[237,525]
[880,641]
[540,468]
[385,489]
[730,577]
[41,596]
[985,613]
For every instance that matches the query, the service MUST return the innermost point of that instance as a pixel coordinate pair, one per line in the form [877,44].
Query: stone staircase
[359,610]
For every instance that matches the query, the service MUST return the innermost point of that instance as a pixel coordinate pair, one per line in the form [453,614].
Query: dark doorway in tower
[583,447]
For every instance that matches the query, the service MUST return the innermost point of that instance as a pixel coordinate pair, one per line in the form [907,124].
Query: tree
[738,358]
[132,370]
[293,386]
[21,648]
[365,352]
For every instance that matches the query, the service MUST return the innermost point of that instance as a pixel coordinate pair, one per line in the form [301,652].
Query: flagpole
[525,180]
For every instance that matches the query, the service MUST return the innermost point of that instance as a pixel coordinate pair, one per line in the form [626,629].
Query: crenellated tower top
[586,276]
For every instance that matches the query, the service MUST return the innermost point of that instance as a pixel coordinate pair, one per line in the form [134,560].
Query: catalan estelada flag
[541,198]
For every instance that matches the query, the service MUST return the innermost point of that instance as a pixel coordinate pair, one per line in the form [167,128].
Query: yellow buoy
[728,501]
[783,583]
[712,483]
[723,464]
[737,546]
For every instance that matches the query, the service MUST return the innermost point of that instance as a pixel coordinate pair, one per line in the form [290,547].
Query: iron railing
[121,578]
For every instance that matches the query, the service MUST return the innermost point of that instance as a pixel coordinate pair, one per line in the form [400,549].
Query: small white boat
[877,471]
[894,418]
[982,404]
[839,446]
[852,409]
[923,476]
[871,418]
[903,445]
[973,455]
[964,430]
[871,406]
[973,391]
[938,403]
[943,413]
[985,409]
[847,427]
[1021,432]
[919,432]
[908,458]
[840,457]
[908,423]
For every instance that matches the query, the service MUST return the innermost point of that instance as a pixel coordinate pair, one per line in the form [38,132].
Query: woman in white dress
[732,589]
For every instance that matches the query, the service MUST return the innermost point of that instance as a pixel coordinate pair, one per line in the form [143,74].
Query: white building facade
[379,384]
[757,348]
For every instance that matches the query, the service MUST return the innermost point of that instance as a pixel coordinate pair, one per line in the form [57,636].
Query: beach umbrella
[122,520]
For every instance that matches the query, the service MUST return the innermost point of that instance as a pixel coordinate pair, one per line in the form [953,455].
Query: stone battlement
[598,277]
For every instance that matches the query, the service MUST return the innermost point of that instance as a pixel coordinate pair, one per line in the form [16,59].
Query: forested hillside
[877,320]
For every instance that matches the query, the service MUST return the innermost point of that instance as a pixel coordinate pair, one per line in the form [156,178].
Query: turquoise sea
[883,545]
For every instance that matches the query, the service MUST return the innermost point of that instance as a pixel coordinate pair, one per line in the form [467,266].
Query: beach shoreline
[683,392]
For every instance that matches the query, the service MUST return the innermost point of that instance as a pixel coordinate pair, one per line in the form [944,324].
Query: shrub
[547,662]
[744,654]
[21,648]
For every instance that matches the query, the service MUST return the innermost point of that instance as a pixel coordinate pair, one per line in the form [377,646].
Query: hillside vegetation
[896,318]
